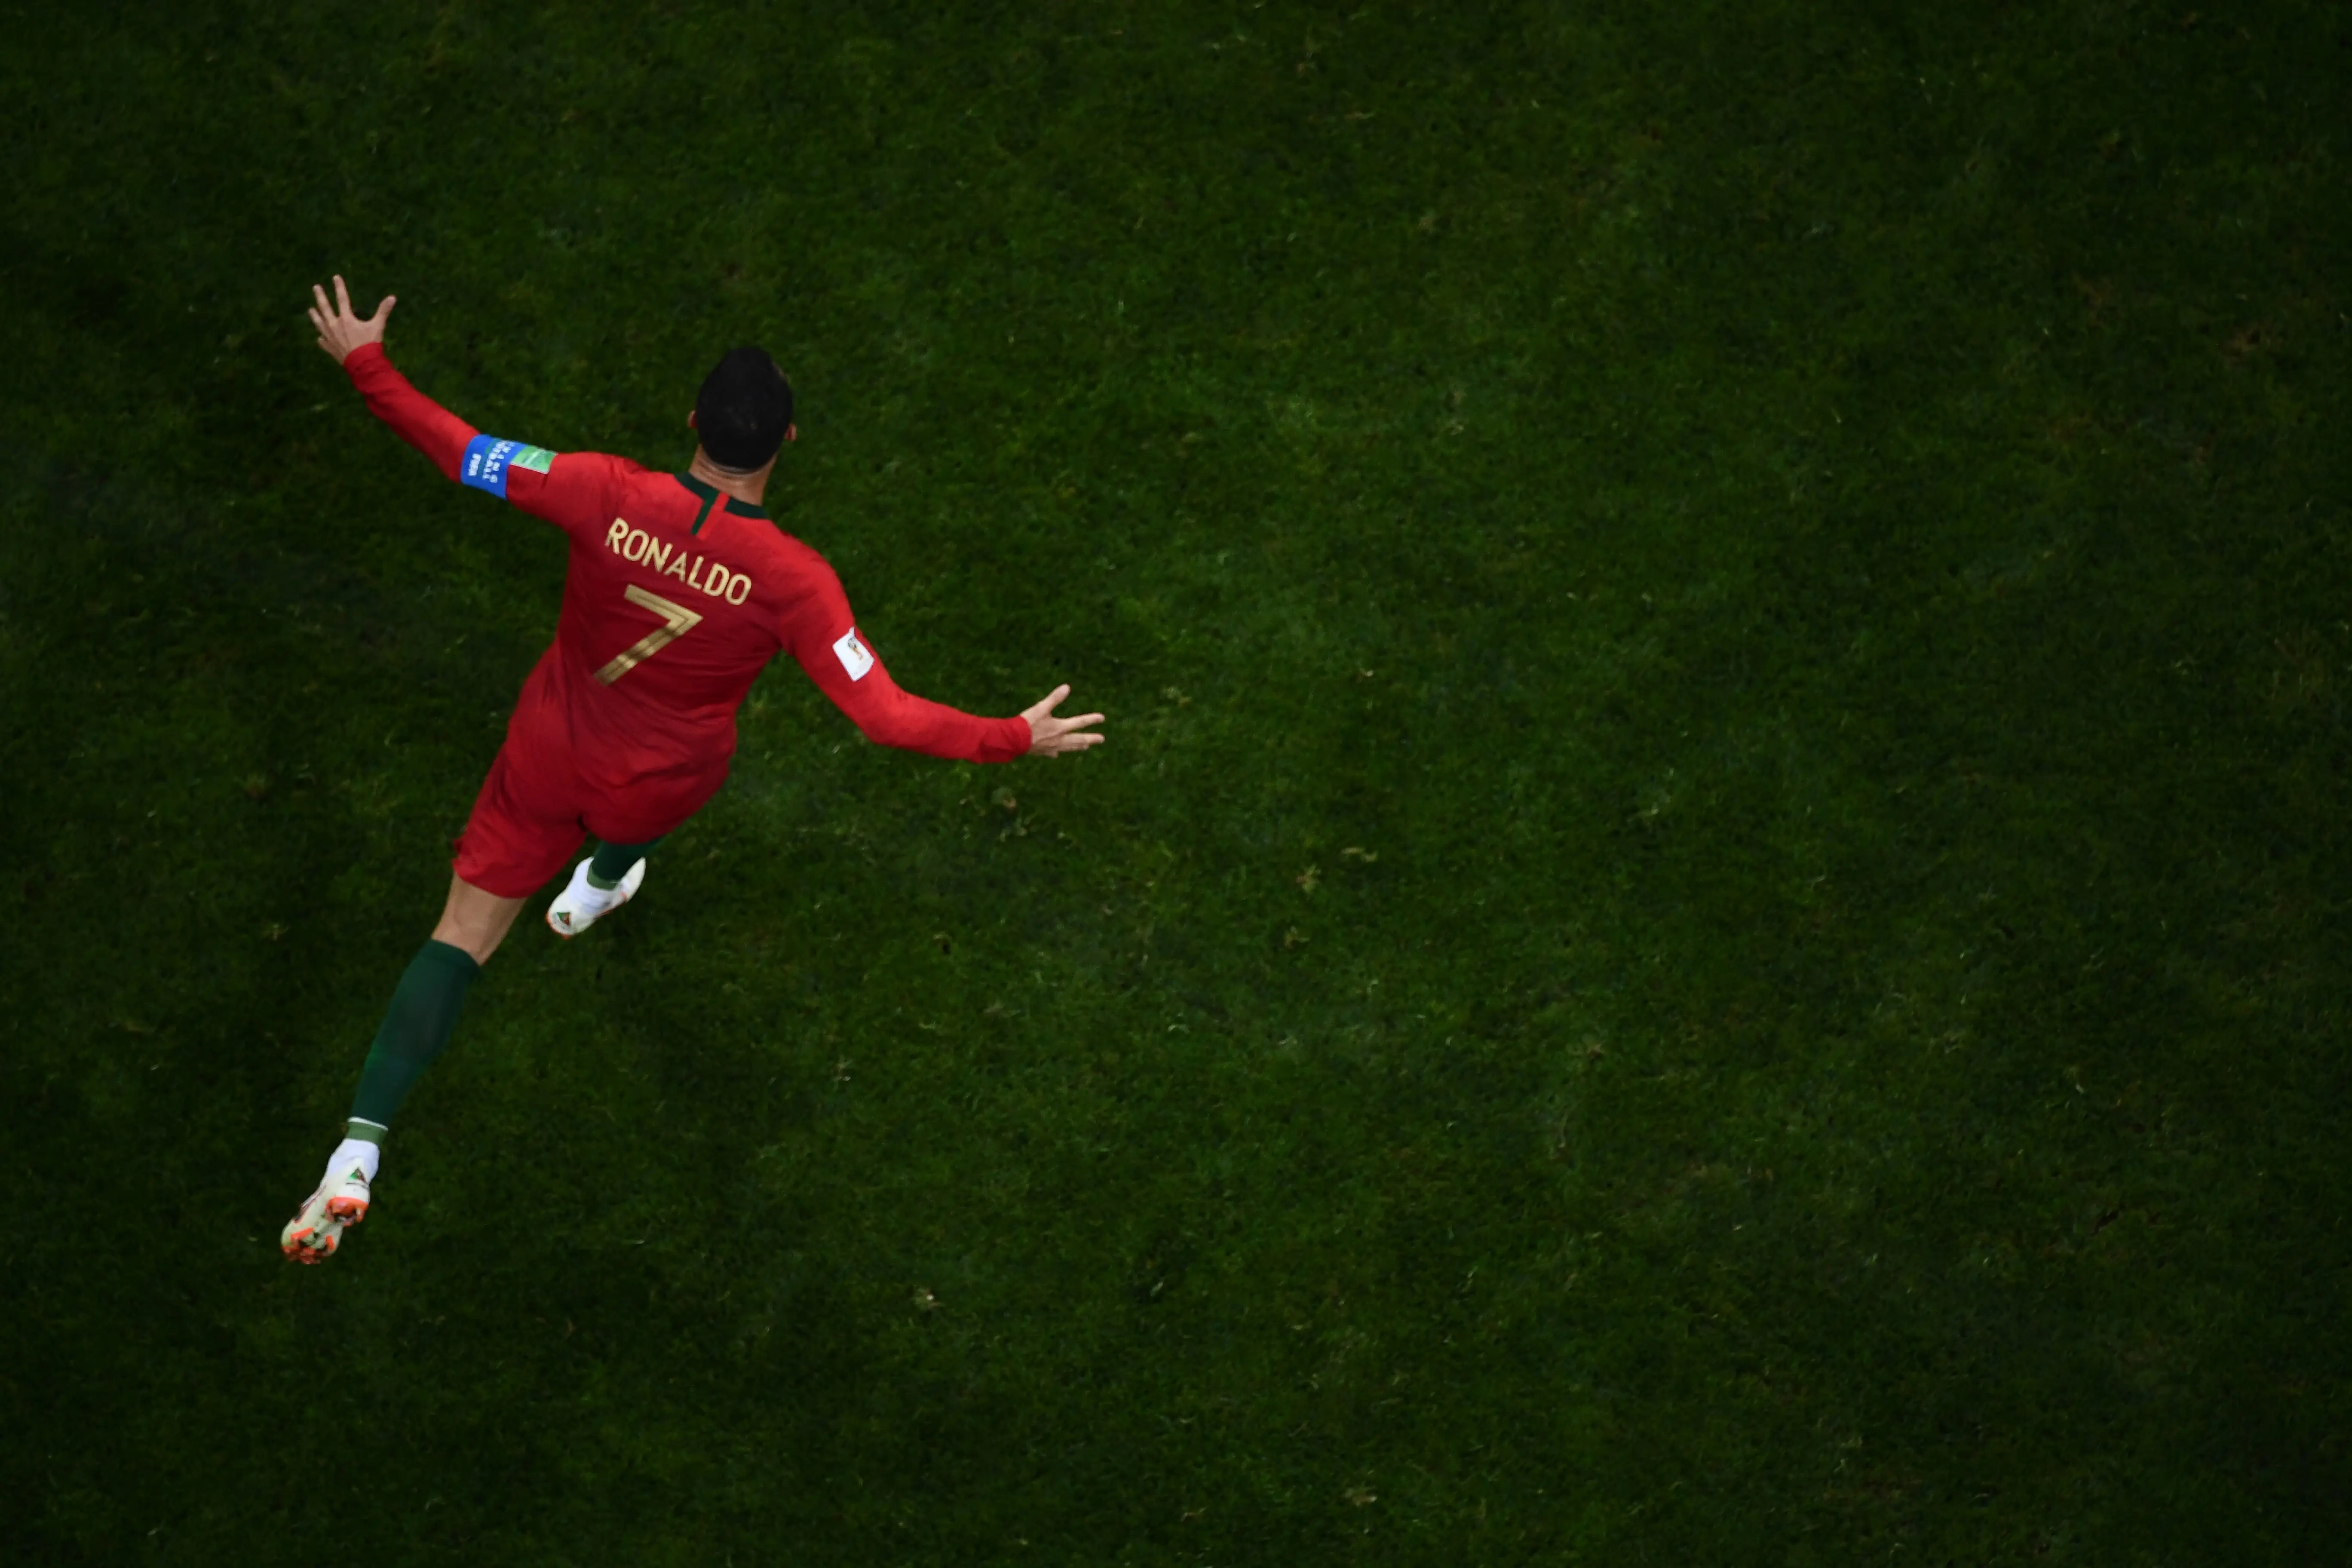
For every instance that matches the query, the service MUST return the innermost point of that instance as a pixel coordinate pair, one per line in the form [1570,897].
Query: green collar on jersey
[709,494]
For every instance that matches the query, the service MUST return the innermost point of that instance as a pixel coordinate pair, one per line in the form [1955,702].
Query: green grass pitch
[1713,929]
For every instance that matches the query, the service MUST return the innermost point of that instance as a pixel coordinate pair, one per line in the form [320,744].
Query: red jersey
[675,598]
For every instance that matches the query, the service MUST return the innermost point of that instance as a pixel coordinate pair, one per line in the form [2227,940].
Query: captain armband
[488,459]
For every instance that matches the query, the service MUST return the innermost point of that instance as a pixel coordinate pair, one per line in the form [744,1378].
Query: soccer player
[678,591]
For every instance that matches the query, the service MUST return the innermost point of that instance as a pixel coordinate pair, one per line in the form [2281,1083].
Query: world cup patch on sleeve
[487,458]
[853,655]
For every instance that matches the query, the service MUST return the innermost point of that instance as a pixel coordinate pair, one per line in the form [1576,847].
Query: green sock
[612,862]
[415,1026]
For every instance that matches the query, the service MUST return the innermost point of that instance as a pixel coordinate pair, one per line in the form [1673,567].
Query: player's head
[744,411]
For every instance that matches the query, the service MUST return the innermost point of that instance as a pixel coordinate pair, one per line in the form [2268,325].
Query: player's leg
[520,833]
[628,822]
[613,862]
[415,1028]
[424,1011]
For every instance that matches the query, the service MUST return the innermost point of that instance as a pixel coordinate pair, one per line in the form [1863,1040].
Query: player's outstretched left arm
[1050,736]
[343,329]
[568,490]
[356,343]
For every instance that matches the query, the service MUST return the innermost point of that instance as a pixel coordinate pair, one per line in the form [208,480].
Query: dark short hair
[743,409]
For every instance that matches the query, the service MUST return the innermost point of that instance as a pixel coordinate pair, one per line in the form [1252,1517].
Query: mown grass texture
[1710,931]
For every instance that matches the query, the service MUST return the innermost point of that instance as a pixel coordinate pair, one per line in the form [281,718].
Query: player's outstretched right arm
[1049,736]
[822,635]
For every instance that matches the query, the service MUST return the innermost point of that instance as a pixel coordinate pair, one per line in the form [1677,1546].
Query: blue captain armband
[487,458]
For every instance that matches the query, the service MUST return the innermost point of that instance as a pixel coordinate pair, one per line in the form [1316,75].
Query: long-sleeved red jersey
[675,599]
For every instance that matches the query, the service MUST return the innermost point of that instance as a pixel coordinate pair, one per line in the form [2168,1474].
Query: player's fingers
[343,296]
[383,310]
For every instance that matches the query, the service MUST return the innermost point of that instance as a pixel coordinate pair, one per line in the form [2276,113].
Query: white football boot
[579,906]
[341,1201]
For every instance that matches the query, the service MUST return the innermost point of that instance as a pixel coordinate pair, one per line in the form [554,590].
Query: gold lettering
[655,552]
[676,621]
[677,567]
[739,590]
[617,535]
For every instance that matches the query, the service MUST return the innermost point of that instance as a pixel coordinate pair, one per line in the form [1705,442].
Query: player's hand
[341,329]
[1050,737]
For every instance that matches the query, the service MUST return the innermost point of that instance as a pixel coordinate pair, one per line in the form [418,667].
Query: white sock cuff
[352,1151]
[584,894]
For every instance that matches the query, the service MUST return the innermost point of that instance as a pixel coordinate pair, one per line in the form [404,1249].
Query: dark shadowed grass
[1710,931]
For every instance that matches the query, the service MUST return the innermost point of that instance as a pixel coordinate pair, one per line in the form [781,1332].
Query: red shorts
[535,809]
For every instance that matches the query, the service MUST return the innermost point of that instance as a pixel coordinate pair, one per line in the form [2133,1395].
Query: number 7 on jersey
[676,621]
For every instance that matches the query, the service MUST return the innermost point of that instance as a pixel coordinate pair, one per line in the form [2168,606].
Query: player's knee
[474,943]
